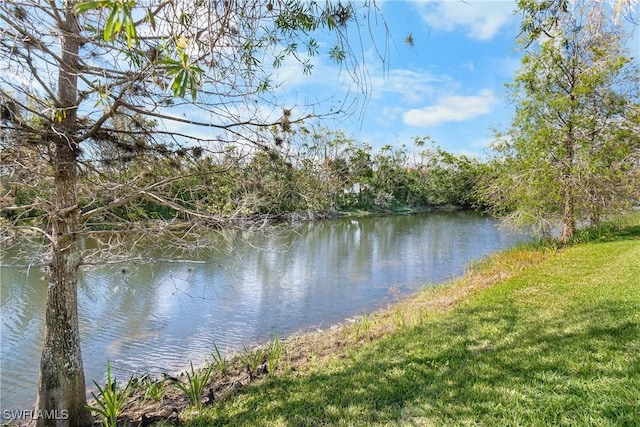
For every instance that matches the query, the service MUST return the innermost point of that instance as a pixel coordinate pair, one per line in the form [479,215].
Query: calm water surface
[156,317]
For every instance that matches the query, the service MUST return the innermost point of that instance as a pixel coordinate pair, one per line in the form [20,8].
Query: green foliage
[110,400]
[252,358]
[362,327]
[337,54]
[184,72]
[154,390]
[539,17]
[556,344]
[334,173]
[120,17]
[274,353]
[195,383]
[326,173]
[572,151]
[219,361]
[448,179]
[399,317]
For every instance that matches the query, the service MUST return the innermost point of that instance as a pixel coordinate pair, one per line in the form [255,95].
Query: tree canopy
[573,149]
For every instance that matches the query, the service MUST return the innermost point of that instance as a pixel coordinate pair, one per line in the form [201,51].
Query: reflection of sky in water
[157,317]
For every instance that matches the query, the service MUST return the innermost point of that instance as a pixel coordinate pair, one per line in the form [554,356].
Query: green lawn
[556,344]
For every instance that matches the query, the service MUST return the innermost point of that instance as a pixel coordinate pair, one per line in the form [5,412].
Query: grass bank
[533,336]
[536,335]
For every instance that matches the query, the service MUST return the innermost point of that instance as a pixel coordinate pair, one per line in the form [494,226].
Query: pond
[156,317]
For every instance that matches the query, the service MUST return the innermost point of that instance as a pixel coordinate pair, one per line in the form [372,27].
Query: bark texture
[61,387]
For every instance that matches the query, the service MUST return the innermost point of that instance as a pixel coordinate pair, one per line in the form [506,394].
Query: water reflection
[156,317]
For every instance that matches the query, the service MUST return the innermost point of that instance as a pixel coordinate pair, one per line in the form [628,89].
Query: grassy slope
[556,344]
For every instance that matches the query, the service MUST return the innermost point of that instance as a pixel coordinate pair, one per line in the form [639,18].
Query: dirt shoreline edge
[304,351]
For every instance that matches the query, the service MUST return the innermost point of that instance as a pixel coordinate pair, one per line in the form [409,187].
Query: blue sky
[449,85]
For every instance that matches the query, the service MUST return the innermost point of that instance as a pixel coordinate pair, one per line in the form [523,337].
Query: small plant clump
[154,390]
[196,382]
[219,361]
[274,353]
[399,317]
[366,321]
[110,400]
[252,359]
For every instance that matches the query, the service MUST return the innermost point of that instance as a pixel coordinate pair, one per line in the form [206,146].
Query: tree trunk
[568,218]
[61,387]
[568,178]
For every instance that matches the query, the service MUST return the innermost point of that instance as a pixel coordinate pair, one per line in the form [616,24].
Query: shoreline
[96,363]
[303,350]
[242,223]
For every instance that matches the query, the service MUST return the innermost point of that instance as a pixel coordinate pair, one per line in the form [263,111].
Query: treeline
[316,175]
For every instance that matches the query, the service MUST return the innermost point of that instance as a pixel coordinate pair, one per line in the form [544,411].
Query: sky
[448,85]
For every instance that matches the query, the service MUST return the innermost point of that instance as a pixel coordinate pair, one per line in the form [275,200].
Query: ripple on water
[156,318]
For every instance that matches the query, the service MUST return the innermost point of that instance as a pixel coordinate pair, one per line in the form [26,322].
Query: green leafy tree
[74,71]
[447,179]
[541,17]
[572,151]
[324,156]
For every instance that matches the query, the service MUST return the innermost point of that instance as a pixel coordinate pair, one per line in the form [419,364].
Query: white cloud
[453,108]
[412,86]
[481,19]
[388,115]
[469,66]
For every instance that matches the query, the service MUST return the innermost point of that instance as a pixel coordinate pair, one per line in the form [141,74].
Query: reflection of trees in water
[145,315]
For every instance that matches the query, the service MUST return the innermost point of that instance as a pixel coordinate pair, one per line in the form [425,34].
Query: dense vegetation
[312,175]
[572,153]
